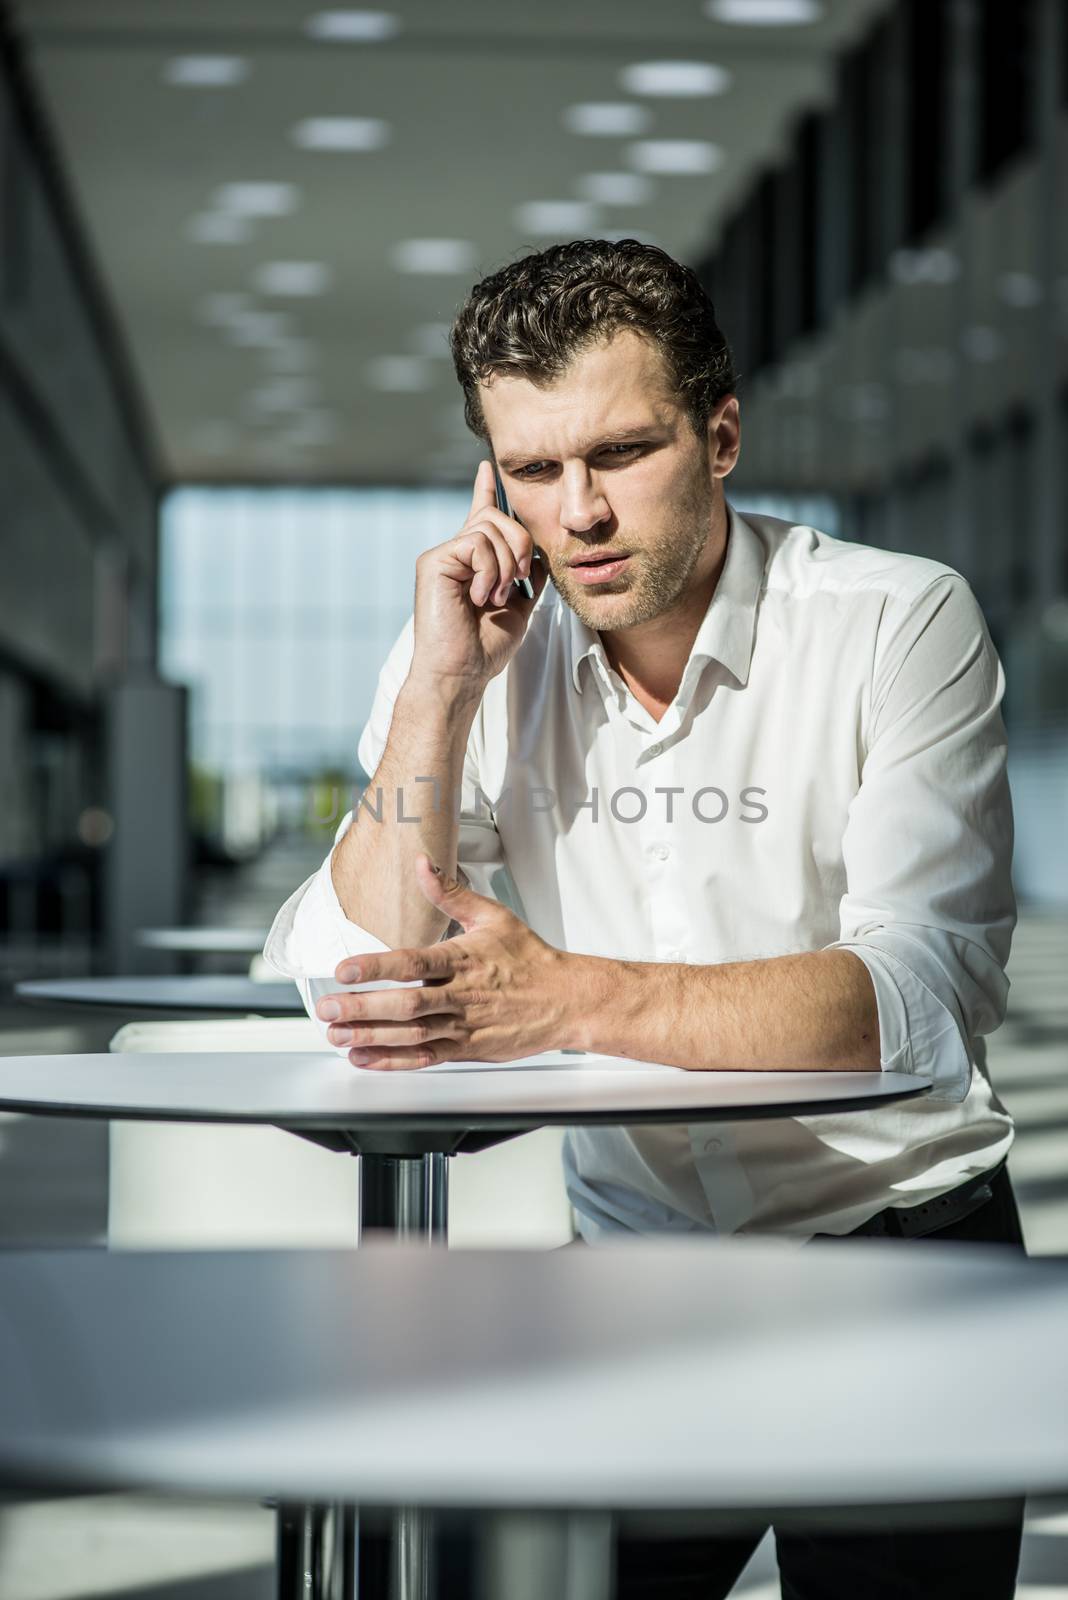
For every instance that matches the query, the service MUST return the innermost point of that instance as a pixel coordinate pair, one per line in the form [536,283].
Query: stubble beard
[661,572]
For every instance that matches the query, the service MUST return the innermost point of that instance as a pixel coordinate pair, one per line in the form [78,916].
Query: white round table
[404,1125]
[436,1109]
[234,996]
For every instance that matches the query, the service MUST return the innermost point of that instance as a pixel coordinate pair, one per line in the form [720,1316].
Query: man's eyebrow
[645,430]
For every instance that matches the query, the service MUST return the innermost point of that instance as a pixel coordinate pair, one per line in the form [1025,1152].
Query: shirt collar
[726,631]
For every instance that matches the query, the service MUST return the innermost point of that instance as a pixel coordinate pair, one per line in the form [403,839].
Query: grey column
[148,856]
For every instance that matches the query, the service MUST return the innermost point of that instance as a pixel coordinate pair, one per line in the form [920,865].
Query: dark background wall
[896,290]
[78,491]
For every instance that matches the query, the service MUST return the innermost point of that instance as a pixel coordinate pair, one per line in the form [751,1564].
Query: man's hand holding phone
[469,616]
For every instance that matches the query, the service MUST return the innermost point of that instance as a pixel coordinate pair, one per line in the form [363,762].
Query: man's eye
[531,470]
[620,449]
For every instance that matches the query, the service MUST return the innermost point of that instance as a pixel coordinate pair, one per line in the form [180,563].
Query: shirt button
[712,1145]
[659,852]
[655,749]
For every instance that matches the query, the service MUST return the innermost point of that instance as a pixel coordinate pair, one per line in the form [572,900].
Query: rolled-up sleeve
[310,934]
[929,906]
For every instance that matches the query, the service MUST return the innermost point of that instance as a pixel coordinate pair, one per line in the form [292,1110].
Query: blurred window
[278,607]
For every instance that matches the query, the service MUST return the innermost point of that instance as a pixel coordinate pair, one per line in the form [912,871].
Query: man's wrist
[451,696]
[603,992]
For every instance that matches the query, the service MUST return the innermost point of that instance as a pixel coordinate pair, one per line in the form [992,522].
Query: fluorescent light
[764,13]
[299,278]
[606,119]
[670,78]
[434,255]
[547,217]
[205,72]
[351,27]
[257,199]
[218,227]
[615,188]
[341,133]
[431,340]
[692,157]
[399,374]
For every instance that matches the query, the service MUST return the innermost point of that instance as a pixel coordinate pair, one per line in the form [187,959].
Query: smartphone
[524,585]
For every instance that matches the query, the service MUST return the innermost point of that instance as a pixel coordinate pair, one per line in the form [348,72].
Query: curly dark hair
[533,316]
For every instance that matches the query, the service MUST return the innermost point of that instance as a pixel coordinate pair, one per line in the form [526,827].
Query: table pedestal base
[320,1553]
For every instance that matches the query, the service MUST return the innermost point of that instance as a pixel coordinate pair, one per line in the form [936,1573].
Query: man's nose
[582,505]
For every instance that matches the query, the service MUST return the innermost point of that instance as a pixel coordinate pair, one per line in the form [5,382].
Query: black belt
[909,1222]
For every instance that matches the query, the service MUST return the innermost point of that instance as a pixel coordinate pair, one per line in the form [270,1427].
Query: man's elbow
[857,1046]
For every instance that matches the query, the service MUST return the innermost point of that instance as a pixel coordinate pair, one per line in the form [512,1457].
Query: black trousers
[971,1562]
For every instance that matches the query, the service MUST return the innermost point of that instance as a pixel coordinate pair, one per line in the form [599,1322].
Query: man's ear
[724,437]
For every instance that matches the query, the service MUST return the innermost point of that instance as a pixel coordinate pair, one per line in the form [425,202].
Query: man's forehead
[616,388]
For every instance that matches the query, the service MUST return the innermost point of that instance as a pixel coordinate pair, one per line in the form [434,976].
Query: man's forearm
[788,1013]
[373,864]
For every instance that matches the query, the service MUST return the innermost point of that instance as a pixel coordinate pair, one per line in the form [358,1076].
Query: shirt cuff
[311,933]
[917,1033]
[310,936]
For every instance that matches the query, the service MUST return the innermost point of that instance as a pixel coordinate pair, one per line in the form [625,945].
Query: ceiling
[267,385]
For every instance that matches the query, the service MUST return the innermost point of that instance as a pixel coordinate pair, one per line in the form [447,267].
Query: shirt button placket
[658,851]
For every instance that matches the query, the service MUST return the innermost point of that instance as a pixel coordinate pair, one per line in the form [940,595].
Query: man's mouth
[600,568]
[603,555]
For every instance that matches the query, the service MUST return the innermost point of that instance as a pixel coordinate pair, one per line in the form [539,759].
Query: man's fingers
[378,1059]
[396,1035]
[497,585]
[486,550]
[487,567]
[484,493]
[387,1005]
[511,542]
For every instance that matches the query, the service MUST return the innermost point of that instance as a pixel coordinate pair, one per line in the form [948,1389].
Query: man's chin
[608,609]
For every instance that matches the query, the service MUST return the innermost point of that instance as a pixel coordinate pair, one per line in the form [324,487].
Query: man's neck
[652,657]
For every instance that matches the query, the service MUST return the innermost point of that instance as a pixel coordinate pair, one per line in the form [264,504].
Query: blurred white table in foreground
[740,1375]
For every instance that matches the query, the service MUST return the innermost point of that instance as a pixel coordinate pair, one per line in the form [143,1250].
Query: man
[743,787]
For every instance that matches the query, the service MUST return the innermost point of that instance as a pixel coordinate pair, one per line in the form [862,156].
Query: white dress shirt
[838,759]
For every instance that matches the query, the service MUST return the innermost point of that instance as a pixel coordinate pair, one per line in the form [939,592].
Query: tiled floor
[53,1188]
